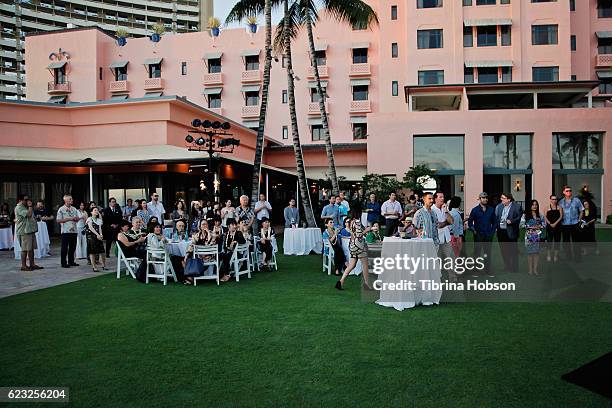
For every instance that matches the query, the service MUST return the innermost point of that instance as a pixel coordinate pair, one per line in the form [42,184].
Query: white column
[590,99]
[91,184]
[297,193]
[409,103]
[267,196]
[535,100]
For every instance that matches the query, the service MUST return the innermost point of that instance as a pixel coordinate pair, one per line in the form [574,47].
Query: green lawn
[288,338]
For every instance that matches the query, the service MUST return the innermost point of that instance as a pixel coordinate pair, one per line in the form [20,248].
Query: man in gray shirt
[330,211]
[292,215]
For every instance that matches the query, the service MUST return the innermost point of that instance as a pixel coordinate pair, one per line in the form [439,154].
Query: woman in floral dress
[358,250]
[534,224]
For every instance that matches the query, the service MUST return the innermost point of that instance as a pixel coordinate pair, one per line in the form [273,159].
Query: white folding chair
[240,261]
[161,266]
[257,254]
[328,256]
[131,264]
[207,250]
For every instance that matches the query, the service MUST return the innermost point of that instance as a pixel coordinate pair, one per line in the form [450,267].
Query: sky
[223,7]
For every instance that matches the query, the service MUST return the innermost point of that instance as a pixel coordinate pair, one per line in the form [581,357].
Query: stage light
[189,139]
[226,126]
[216,124]
[196,123]
[200,141]
[206,123]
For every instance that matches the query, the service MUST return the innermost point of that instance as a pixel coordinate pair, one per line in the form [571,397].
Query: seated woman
[346,231]
[266,235]
[201,237]
[153,221]
[246,231]
[132,240]
[232,238]
[217,229]
[406,228]
[332,235]
[373,237]
[156,240]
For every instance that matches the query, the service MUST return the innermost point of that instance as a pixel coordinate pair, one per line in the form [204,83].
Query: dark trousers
[482,245]
[69,242]
[391,225]
[509,250]
[571,241]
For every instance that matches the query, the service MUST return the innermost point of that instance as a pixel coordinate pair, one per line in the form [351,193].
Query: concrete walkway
[14,281]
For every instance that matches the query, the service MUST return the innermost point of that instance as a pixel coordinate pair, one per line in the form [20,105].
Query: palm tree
[241,10]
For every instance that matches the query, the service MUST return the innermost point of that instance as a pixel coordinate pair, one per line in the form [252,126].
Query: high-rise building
[20,17]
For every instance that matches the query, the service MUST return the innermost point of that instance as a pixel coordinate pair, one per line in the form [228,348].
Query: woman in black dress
[553,217]
[95,240]
[588,228]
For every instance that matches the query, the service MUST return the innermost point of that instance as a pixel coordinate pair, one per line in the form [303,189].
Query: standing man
[42,214]
[330,211]
[244,212]
[262,210]
[342,212]
[112,218]
[25,230]
[425,220]
[292,215]
[127,210]
[67,218]
[482,223]
[508,216]
[391,210]
[373,210]
[443,221]
[156,209]
[573,212]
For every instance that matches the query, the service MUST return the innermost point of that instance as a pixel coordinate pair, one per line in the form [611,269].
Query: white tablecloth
[347,254]
[177,248]
[42,242]
[301,241]
[6,238]
[405,299]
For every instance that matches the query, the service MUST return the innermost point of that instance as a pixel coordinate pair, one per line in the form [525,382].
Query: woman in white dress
[227,212]
[81,249]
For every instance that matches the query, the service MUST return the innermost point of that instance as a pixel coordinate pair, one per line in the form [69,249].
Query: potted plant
[121,34]
[213,24]
[252,23]
[158,31]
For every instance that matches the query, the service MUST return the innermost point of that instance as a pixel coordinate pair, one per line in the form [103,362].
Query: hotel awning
[315,121]
[313,84]
[359,119]
[320,47]
[360,82]
[250,88]
[212,55]
[212,91]
[153,61]
[56,64]
[118,64]
[487,22]
[360,45]
[250,53]
[604,74]
[483,64]
[57,99]
[153,94]
[118,97]
[603,34]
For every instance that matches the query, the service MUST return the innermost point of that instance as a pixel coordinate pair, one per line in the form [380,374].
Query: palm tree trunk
[297,147]
[328,144]
[263,106]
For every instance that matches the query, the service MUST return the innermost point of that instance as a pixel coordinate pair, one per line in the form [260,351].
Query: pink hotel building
[496,95]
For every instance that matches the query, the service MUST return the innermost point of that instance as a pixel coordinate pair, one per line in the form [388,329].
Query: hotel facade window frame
[430,39]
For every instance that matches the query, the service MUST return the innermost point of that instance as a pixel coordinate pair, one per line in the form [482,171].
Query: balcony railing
[215,78]
[55,87]
[251,76]
[154,83]
[250,111]
[323,72]
[360,107]
[118,86]
[604,60]
[360,70]
[218,111]
[314,109]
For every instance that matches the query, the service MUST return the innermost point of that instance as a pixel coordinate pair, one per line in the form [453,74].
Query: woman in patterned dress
[358,250]
[534,224]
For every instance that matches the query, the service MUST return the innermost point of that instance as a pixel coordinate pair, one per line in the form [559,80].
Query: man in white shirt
[444,237]
[391,210]
[156,209]
[344,202]
[262,210]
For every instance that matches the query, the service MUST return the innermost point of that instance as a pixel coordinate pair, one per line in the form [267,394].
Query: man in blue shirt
[373,210]
[482,223]
[573,211]
[330,211]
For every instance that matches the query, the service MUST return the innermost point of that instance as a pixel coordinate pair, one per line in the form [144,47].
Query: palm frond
[354,12]
[294,28]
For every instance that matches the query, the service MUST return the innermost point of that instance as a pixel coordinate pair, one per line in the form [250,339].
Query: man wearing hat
[482,223]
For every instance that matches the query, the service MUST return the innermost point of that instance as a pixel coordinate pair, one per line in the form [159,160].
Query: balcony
[360,107]
[323,72]
[360,70]
[213,79]
[251,76]
[313,108]
[604,60]
[153,83]
[219,111]
[58,88]
[250,111]
[118,86]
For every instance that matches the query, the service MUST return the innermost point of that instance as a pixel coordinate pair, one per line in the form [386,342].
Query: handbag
[194,267]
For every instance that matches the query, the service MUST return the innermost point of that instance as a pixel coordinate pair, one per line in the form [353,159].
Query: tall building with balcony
[21,17]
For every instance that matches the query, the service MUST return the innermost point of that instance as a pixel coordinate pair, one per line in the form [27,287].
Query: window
[546,34]
[573,42]
[360,55]
[543,1]
[394,88]
[251,98]
[360,92]
[485,2]
[321,58]
[487,75]
[468,75]
[429,3]
[468,37]
[285,97]
[504,2]
[60,75]
[604,45]
[506,74]
[284,61]
[360,26]
[183,68]
[573,77]
[572,5]
[486,36]
[577,150]
[432,77]
[214,65]
[429,39]
[506,35]
[394,51]
[604,8]
[360,131]
[507,151]
[605,86]
[545,74]
[316,131]
[155,70]
[121,74]
[467,2]
[214,101]
[393,12]
[314,95]
[100,73]
[251,63]
[438,152]
[285,132]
